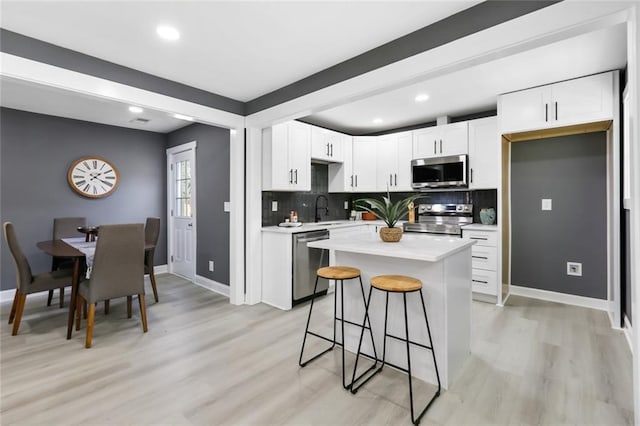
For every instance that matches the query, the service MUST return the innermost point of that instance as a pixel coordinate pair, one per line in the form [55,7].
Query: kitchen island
[443,264]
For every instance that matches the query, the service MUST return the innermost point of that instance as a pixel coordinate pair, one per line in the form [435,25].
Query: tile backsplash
[305,202]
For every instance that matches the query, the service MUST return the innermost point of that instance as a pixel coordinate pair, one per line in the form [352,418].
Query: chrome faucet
[320,208]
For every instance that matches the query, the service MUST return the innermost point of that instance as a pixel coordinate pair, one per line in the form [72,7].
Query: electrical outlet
[274,206]
[346,205]
[211,268]
[574,268]
[546,204]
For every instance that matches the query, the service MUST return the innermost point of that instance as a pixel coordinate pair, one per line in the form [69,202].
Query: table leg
[75,280]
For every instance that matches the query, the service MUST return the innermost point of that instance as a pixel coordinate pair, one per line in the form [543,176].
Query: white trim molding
[212,285]
[161,269]
[628,332]
[567,299]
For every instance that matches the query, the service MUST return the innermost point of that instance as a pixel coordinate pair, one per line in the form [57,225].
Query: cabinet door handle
[331,155]
[546,112]
[556,110]
[480,281]
[296,174]
[434,147]
[352,181]
[328,150]
[390,179]
[480,257]
[471,172]
[440,146]
[356,181]
[290,175]
[395,176]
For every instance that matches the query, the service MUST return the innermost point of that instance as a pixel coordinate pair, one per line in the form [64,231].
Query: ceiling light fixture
[422,97]
[135,109]
[168,33]
[377,121]
[183,117]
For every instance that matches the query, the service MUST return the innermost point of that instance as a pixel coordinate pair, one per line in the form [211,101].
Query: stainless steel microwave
[440,172]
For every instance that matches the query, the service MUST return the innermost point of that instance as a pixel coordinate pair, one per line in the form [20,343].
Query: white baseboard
[552,296]
[628,332]
[7,295]
[161,269]
[212,285]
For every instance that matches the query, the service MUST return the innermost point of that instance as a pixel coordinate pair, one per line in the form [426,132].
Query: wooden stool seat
[396,283]
[338,272]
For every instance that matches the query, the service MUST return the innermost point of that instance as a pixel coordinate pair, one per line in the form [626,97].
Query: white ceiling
[48,100]
[266,55]
[238,49]
[475,89]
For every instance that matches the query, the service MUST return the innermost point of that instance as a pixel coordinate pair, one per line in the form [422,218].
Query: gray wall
[212,179]
[36,153]
[571,171]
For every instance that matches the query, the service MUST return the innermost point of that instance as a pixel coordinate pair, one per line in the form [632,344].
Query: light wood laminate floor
[205,362]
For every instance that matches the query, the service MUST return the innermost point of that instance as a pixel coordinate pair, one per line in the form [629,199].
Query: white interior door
[182,210]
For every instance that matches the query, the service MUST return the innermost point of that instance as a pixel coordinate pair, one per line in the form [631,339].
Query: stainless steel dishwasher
[305,263]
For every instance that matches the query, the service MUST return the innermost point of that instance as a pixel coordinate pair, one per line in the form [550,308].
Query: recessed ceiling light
[167,32]
[135,109]
[422,97]
[377,120]
[183,117]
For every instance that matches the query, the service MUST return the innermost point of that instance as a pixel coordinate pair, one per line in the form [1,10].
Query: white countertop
[480,227]
[314,226]
[416,247]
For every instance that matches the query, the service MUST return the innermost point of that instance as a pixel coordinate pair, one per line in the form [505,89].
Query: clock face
[93,177]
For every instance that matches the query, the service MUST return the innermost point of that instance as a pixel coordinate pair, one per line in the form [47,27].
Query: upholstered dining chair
[117,271]
[26,282]
[64,227]
[151,233]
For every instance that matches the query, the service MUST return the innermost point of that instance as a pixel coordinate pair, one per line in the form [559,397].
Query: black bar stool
[339,274]
[398,284]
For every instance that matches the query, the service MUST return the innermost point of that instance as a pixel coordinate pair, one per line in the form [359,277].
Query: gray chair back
[152,230]
[23,269]
[118,264]
[67,227]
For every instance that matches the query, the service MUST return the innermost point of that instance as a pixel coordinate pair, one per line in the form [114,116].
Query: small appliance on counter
[441,219]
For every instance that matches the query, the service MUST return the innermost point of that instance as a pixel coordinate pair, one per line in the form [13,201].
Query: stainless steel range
[441,218]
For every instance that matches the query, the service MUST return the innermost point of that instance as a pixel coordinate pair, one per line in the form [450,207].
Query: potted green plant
[389,212]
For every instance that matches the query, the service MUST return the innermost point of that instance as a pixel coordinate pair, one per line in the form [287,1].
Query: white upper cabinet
[286,157]
[484,153]
[327,145]
[364,164]
[341,174]
[394,162]
[578,101]
[439,141]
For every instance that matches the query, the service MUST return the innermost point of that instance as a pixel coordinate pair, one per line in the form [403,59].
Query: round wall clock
[93,177]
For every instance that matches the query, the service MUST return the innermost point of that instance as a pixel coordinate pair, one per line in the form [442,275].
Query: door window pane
[182,189]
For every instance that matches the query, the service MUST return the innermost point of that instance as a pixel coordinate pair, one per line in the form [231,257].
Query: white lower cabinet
[484,261]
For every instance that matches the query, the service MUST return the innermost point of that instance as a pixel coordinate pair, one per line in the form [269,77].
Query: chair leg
[143,312]
[62,297]
[129,301]
[152,278]
[106,307]
[14,306]
[19,309]
[90,319]
[50,297]
[79,303]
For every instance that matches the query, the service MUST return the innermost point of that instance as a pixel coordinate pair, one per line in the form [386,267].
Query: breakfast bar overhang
[443,264]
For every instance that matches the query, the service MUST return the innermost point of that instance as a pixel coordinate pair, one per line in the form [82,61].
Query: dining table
[59,248]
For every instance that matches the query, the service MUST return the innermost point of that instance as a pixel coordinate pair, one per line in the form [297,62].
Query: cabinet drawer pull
[480,257]
[478,238]
[480,281]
